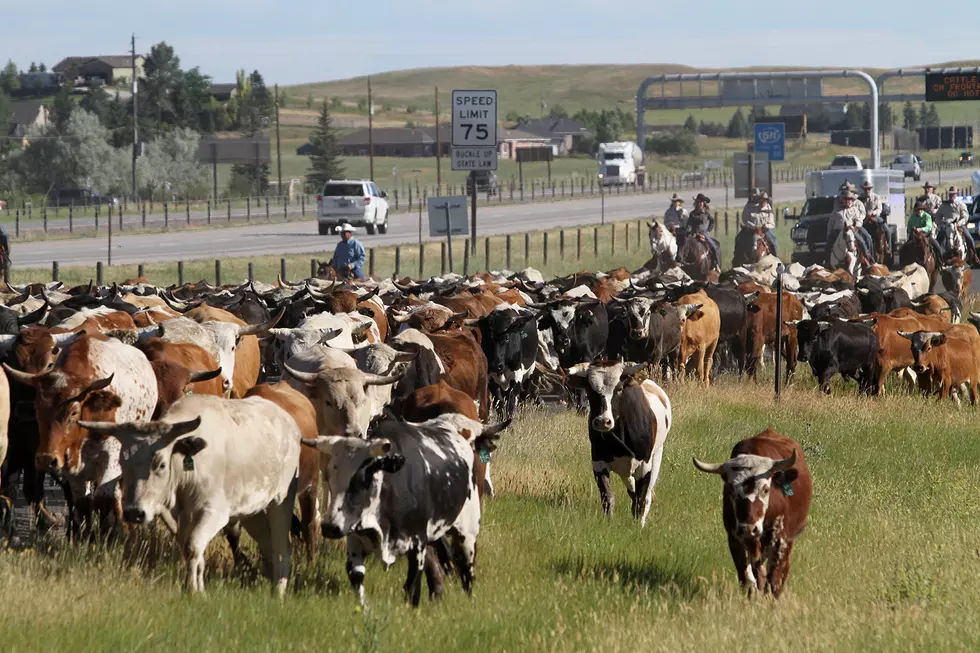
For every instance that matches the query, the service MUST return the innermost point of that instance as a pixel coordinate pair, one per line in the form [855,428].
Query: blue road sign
[771,139]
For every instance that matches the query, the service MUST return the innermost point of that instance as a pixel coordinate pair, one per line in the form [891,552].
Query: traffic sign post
[447,216]
[474,138]
[770,138]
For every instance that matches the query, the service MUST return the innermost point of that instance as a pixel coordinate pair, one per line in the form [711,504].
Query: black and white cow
[510,341]
[407,487]
[580,328]
[628,424]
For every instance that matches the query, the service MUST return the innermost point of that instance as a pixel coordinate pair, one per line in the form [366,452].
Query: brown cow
[466,367]
[164,355]
[371,309]
[949,358]
[700,330]
[765,505]
[761,330]
[957,277]
[895,352]
[933,305]
[308,489]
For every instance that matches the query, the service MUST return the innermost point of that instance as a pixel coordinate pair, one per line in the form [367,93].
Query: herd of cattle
[143,402]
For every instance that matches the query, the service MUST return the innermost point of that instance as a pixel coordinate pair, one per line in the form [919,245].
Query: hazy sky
[296,41]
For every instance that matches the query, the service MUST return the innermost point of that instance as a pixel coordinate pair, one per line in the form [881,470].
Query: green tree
[924,115]
[172,158]
[62,109]
[192,101]
[557,112]
[41,68]
[757,112]
[309,101]
[161,77]
[9,78]
[934,120]
[737,126]
[325,161]
[33,68]
[910,119]
[691,124]
[886,117]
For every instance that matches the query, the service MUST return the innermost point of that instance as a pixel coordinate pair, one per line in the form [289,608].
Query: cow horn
[402,288]
[906,334]
[21,377]
[366,296]
[377,379]
[709,468]
[175,304]
[792,323]
[197,376]
[784,464]
[406,356]
[254,329]
[33,316]
[284,283]
[316,294]
[329,335]
[359,329]
[539,306]
[401,318]
[309,378]
[492,431]
[139,430]
[64,339]
[752,296]
[630,369]
[149,332]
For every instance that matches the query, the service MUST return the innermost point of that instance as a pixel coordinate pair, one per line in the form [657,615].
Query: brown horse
[694,256]
[918,250]
[750,252]
[879,237]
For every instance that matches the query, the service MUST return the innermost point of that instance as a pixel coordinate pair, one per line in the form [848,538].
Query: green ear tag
[787,489]
[188,463]
[484,456]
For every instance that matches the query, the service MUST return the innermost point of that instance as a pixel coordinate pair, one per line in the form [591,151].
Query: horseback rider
[873,211]
[676,216]
[921,219]
[933,201]
[348,258]
[758,214]
[953,214]
[4,244]
[848,216]
[701,221]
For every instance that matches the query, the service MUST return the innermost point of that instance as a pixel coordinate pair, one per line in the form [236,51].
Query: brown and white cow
[761,329]
[765,506]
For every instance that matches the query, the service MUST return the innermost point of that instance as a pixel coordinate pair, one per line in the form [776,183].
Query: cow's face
[561,319]
[603,382]
[923,343]
[353,469]
[502,343]
[638,312]
[807,332]
[342,402]
[299,343]
[153,463]
[226,341]
[748,483]
[690,312]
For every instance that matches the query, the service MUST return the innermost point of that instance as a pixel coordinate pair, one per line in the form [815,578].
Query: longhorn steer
[765,505]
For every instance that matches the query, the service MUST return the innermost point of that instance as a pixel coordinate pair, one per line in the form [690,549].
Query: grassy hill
[524,88]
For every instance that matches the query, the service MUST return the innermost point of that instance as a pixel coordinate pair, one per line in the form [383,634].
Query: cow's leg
[270,529]
[792,349]
[464,533]
[194,533]
[309,522]
[645,486]
[413,582]
[487,483]
[973,392]
[601,472]
[781,572]
[709,361]
[357,550]
[434,573]
[746,577]
[233,535]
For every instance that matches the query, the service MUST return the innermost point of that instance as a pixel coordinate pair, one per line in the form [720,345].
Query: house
[306,149]
[511,140]
[111,69]
[388,141]
[566,134]
[223,92]
[25,116]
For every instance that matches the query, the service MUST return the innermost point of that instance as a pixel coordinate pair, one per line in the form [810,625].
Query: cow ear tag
[787,489]
[188,463]
[484,456]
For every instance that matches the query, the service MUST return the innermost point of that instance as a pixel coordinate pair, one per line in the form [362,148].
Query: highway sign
[712,164]
[945,88]
[457,216]
[771,139]
[474,158]
[474,118]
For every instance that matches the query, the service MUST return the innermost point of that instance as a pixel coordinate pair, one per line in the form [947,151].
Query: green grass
[888,561]
[523,88]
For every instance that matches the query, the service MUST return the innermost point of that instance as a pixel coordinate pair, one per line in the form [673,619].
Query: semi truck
[619,163]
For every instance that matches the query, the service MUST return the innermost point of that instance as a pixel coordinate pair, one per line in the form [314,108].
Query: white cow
[211,461]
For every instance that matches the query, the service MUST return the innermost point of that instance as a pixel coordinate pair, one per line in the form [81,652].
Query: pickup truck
[908,164]
[809,236]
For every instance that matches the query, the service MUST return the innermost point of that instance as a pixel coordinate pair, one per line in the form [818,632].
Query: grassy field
[887,563]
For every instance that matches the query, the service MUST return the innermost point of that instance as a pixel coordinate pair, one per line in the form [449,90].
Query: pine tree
[924,115]
[910,119]
[737,126]
[325,161]
[933,116]
[691,124]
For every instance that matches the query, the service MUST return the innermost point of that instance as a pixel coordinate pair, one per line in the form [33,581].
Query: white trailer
[619,163]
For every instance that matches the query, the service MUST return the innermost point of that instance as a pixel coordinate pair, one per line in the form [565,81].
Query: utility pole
[136,139]
[371,128]
[278,150]
[438,147]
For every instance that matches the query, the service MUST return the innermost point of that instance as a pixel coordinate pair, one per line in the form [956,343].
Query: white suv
[358,202]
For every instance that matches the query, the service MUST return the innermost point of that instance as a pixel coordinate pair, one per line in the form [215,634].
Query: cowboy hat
[677,198]
[702,198]
[848,196]
[928,184]
[867,184]
[922,202]
[345,227]
[763,195]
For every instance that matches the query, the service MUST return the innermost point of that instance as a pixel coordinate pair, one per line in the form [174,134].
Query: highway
[300,237]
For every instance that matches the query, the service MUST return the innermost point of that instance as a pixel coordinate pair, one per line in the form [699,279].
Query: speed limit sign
[474,118]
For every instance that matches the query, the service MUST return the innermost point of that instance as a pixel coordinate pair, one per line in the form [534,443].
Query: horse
[758,249]
[880,240]
[663,246]
[694,256]
[955,243]
[918,250]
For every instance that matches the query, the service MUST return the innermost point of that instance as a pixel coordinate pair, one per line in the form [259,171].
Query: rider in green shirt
[921,219]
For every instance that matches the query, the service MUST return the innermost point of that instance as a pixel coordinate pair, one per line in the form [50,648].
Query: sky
[298,41]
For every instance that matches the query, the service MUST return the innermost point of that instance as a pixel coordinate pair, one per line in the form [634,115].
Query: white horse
[844,253]
[661,240]
[956,241]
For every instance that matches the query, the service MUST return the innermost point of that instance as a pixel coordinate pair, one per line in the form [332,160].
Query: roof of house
[519,135]
[112,60]
[223,89]
[387,136]
[550,127]
[23,114]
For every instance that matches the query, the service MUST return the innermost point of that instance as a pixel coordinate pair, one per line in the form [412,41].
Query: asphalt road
[300,237]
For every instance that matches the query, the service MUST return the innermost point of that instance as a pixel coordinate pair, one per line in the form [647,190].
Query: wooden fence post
[55,271]
[612,245]
[579,248]
[217,272]
[99,275]
[595,241]
[139,270]
[507,251]
[370,263]
[527,249]
[251,271]
[282,268]
[421,260]
[442,266]
[313,267]
[180,273]
[398,260]
[486,252]
[544,248]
